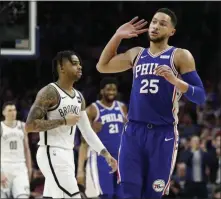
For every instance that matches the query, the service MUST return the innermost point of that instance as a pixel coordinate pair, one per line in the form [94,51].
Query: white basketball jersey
[12,143]
[62,136]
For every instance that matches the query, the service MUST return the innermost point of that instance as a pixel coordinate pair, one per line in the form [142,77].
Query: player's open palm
[72,119]
[132,28]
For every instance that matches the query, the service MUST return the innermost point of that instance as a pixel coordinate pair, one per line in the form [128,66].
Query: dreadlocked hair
[58,61]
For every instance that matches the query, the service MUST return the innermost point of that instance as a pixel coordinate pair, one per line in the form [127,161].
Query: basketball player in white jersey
[16,165]
[57,110]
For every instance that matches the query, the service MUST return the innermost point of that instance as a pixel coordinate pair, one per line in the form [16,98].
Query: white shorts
[18,181]
[91,191]
[57,166]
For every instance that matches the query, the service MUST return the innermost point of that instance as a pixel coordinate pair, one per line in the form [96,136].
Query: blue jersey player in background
[107,117]
[161,73]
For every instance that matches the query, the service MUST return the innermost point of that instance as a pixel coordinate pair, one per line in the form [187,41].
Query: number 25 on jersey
[149,86]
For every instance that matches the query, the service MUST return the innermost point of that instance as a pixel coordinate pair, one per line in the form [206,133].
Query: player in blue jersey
[108,117]
[161,73]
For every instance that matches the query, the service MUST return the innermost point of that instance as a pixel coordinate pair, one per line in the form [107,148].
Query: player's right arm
[91,113]
[110,61]
[92,139]
[46,98]
[96,126]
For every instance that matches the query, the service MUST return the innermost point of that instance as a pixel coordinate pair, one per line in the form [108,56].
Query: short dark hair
[108,80]
[58,60]
[8,103]
[170,13]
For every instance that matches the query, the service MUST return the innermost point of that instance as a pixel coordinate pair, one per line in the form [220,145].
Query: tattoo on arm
[46,98]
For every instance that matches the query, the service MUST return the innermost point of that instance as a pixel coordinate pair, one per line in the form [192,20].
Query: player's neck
[10,123]
[65,84]
[156,48]
[108,104]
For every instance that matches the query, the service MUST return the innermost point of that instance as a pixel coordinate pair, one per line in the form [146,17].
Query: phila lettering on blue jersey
[112,119]
[153,99]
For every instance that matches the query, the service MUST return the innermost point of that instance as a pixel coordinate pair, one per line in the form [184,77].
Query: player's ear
[172,32]
[101,92]
[3,112]
[60,68]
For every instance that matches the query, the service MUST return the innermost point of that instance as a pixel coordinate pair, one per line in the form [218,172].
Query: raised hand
[132,28]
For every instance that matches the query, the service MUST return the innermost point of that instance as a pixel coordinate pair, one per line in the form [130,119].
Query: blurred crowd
[86,27]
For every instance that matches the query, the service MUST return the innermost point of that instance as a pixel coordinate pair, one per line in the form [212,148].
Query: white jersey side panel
[12,143]
[62,136]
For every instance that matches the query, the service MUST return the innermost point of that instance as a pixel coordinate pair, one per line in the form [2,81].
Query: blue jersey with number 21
[112,119]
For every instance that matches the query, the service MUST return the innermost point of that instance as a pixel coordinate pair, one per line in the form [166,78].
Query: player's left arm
[190,85]
[82,155]
[27,153]
[86,130]
[124,109]
[92,139]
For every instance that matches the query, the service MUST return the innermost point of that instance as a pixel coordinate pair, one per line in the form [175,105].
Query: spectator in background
[214,151]
[174,190]
[197,163]
[178,181]
[218,172]
[37,184]
[218,157]
[187,128]
[8,95]
[217,192]
[217,140]
[180,176]
[218,120]
[184,144]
